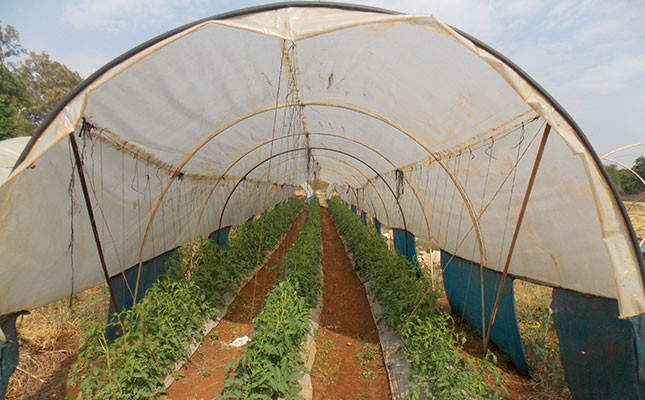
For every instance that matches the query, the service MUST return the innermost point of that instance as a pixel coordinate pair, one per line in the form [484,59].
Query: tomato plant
[439,370]
[159,330]
[271,365]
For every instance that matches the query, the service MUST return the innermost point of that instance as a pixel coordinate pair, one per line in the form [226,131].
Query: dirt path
[348,364]
[204,372]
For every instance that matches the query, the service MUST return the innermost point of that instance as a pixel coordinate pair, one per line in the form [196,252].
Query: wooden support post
[520,217]
[90,212]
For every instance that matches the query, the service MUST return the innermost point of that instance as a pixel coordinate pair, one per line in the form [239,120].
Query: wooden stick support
[90,212]
[518,225]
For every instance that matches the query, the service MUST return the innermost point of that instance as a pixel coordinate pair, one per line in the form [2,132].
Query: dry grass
[636,210]
[532,305]
[541,345]
[49,338]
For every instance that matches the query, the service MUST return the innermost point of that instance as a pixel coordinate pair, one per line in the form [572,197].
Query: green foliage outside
[9,43]
[29,88]
[13,102]
[625,181]
[158,331]
[270,365]
[439,369]
[47,82]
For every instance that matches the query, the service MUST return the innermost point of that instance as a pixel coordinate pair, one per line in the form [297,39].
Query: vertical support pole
[518,225]
[90,212]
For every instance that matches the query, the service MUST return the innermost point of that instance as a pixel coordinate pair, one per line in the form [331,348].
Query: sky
[590,55]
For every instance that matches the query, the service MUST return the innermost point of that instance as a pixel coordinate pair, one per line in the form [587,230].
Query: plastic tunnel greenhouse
[413,122]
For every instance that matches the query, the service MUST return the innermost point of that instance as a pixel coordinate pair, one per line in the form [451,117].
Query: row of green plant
[159,330]
[271,365]
[438,367]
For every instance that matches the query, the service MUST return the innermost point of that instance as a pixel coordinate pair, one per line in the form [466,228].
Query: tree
[13,103]
[639,166]
[614,175]
[626,182]
[47,82]
[9,43]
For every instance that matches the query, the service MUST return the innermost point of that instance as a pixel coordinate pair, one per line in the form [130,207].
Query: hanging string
[123,249]
[174,210]
[510,200]
[103,225]
[275,118]
[472,156]
[425,177]
[481,267]
[179,189]
[443,200]
[99,206]
[152,227]
[136,177]
[434,200]
[452,200]
[163,209]
[72,207]
[463,205]
[508,175]
[489,152]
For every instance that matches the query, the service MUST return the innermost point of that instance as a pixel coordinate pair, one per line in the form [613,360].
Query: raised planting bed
[203,374]
[437,366]
[159,331]
[271,365]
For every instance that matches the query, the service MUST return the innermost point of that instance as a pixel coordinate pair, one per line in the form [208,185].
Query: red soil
[204,373]
[346,329]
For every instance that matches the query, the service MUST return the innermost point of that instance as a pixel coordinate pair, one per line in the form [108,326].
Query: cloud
[587,54]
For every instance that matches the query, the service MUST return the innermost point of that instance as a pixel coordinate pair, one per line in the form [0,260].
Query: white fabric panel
[330,189]
[10,150]
[223,120]
[188,91]
[307,188]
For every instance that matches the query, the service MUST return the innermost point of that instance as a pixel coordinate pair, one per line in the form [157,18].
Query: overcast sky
[590,55]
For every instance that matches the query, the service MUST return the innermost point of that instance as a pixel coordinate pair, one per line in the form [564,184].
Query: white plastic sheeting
[10,150]
[307,188]
[407,119]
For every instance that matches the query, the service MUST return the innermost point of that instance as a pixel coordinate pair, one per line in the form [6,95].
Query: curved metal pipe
[358,183]
[642,242]
[339,174]
[466,199]
[629,146]
[268,7]
[257,147]
[307,149]
[290,172]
